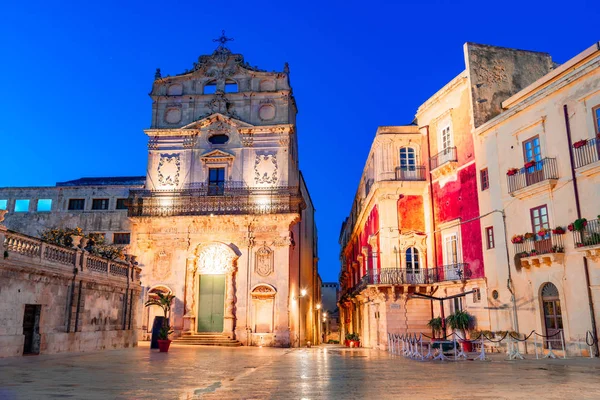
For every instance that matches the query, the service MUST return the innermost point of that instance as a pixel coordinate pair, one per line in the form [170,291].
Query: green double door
[211,303]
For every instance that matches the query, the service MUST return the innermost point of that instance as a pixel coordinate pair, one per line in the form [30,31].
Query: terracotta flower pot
[163,345]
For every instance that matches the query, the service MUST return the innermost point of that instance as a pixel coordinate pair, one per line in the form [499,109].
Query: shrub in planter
[529,235]
[462,322]
[558,249]
[543,232]
[580,143]
[163,338]
[436,325]
[559,230]
[579,224]
[517,239]
[512,171]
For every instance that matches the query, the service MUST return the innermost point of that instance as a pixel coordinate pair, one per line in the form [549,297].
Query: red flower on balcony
[543,232]
[512,171]
[579,143]
[570,227]
[529,164]
[559,230]
[517,239]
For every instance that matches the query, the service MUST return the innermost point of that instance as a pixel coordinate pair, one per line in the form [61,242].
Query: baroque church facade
[225,221]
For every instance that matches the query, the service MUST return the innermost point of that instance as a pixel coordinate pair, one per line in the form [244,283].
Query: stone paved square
[325,372]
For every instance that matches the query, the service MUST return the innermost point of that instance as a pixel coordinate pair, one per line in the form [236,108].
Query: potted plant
[517,239]
[533,252]
[579,143]
[462,322]
[163,338]
[512,171]
[579,224]
[529,164]
[436,326]
[543,232]
[559,230]
[558,249]
[163,301]
[529,235]
[353,340]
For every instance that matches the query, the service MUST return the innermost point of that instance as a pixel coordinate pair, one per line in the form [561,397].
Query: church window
[22,205]
[216,181]
[121,238]
[408,159]
[100,204]
[3,204]
[218,139]
[231,87]
[210,88]
[44,205]
[76,204]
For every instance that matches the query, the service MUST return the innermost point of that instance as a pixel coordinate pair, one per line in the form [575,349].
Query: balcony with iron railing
[411,173]
[539,249]
[586,154]
[587,239]
[454,272]
[447,156]
[533,177]
[228,198]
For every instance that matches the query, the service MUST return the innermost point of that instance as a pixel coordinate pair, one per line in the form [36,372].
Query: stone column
[229,319]
[189,318]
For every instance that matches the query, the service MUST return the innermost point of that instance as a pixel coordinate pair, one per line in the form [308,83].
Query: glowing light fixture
[318,306]
[302,292]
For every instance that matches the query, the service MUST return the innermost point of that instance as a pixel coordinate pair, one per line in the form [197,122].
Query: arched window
[231,87]
[552,314]
[412,260]
[210,88]
[408,159]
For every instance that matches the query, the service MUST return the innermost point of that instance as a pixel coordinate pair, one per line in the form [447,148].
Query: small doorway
[552,315]
[211,304]
[31,329]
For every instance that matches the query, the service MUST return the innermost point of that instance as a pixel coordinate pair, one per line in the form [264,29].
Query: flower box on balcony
[559,230]
[579,144]
[529,164]
[543,232]
[517,239]
[529,236]
[512,171]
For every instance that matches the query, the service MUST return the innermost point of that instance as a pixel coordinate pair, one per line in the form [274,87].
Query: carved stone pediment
[216,258]
[413,239]
[217,157]
[217,118]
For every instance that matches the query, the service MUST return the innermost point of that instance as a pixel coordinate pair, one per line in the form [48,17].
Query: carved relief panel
[169,166]
[265,169]
[264,261]
[162,265]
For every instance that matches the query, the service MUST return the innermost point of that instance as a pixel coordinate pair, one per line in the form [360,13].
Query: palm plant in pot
[462,322]
[436,326]
[163,301]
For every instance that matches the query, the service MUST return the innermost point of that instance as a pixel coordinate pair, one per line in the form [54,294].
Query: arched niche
[263,308]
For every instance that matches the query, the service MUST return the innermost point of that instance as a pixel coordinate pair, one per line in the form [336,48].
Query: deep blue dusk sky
[76,76]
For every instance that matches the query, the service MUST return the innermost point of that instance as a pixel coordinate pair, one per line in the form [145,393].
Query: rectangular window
[44,205]
[121,238]
[121,204]
[485,179]
[3,204]
[476,295]
[22,205]
[451,249]
[532,150]
[446,138]
[216,181]
[539,218]
[456,304]
[489,237]
[100,204]
[76,204]
[596,114]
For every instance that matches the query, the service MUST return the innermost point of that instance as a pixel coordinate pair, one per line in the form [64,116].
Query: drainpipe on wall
[509,282]
[578,208]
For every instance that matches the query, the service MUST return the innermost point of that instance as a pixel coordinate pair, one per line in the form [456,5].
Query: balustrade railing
[449,154]
[410,173]
[200,201]
[454,272]
[532,173]
[81,260]
[587,153]
[549,243]
[402,276]
[589,236]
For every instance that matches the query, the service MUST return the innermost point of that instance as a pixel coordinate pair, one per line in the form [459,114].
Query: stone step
[228,343]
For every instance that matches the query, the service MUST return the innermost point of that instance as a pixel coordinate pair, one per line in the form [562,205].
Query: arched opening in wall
[413,267]
[210,88]
[231,87]
[263,308]
[553,322]
[155,311]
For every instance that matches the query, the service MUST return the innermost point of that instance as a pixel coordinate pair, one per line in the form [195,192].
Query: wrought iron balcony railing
[587,153]
[454,272]
[447,155]
[229,199]
[589,236]
[538,171]
[411,173]
[402,276]
[537,245]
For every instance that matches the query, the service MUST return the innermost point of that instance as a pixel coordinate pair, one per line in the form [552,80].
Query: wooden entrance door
[31,329]
[211,303]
